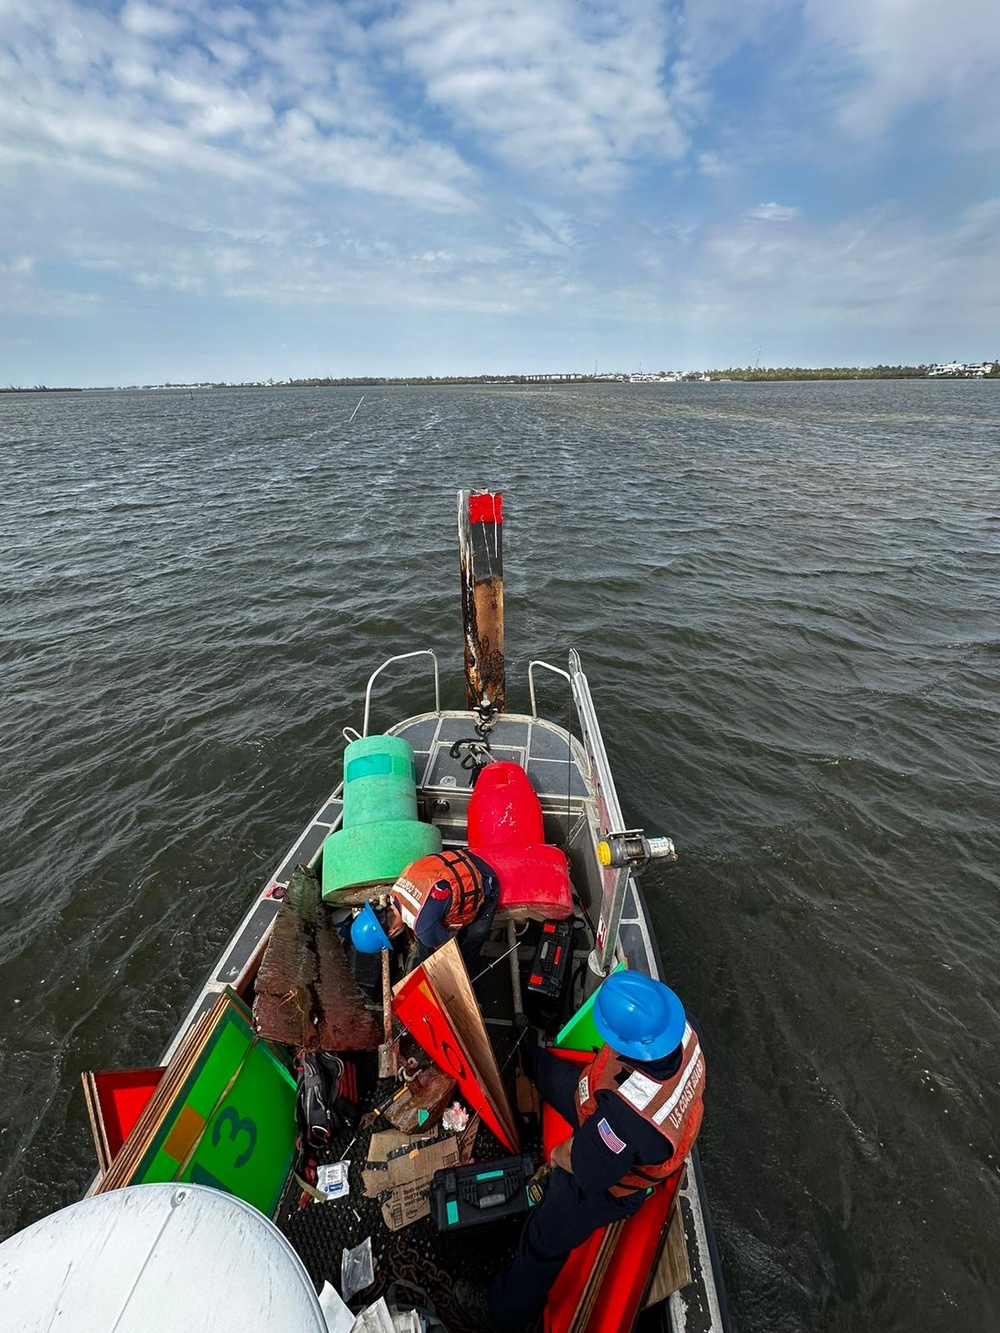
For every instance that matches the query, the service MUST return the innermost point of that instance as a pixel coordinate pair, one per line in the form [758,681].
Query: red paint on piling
[486,508]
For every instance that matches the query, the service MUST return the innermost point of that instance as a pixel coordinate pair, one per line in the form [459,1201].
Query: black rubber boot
[471,1299]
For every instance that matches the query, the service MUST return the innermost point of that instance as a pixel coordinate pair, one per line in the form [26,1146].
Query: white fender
[156,1259]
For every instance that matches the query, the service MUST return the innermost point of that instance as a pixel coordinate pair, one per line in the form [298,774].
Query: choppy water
[786,598]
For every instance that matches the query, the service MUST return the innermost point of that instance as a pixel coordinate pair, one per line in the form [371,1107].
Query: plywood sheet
[115,1100]
[446,972]
[438,1007]
[673,1269]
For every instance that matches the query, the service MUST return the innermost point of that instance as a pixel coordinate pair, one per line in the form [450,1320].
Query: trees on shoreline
[745,374]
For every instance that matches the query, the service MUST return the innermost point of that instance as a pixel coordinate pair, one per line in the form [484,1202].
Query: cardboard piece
[388,1146]
[399,1172]
[223,1114]
[437,1004]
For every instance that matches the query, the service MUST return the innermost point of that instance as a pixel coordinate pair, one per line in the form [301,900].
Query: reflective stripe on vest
[463,877]
[672,1106]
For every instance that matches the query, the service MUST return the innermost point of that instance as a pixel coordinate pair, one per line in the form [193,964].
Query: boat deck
[539,747]
[443,786]
[560,770]
[416,1265]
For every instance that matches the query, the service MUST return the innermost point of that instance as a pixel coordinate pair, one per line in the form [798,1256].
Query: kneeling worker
[451,893]
[637,1108]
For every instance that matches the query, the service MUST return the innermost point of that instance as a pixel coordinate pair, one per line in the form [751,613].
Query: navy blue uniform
[607,1144]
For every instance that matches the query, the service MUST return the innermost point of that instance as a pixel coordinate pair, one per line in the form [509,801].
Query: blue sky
[197,189]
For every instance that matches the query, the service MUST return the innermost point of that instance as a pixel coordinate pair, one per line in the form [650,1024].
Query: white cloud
[556,90]
[904,54]
[130,95]
[544,232]
[152,20]
[774,213]
[888,272]
[556,160]
[712,164]
[232,20]
[710,32]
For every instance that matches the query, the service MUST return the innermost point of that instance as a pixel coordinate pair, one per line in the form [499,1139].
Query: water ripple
[785,598]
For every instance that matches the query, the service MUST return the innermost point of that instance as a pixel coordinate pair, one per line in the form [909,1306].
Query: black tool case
[465,1198]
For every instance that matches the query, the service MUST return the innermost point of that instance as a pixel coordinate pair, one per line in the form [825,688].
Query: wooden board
[306,994]
[446,972]
[673,1271]
[597,1277]
[480,543]
[619,1299]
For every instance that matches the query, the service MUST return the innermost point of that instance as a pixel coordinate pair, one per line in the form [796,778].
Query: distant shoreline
[755,375]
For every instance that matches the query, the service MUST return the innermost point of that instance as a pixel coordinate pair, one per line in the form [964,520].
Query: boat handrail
[401,657]
[615,879]
[558,671]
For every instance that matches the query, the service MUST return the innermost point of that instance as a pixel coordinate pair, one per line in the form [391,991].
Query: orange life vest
[460,873]
[673,1106]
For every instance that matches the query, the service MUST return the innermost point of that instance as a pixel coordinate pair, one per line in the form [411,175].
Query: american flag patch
[610,1138]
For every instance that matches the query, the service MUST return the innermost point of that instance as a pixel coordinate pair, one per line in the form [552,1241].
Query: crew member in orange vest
[637,1108]
[451,893]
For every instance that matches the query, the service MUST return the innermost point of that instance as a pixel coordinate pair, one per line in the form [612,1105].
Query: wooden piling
[480,539]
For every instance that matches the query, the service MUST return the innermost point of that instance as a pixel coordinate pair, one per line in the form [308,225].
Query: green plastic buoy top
[380,833]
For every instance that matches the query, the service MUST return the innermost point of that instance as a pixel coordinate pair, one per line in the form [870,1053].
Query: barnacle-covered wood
[306,993]
[480,547]
[422,1101]
[485,673]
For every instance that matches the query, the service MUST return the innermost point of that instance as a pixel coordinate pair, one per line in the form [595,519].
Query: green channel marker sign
[580,1033]
[231,1124]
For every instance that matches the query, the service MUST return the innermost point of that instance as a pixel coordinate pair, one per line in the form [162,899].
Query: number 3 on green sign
[237,1126]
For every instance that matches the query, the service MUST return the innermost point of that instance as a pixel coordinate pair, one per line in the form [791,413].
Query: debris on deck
[306,994]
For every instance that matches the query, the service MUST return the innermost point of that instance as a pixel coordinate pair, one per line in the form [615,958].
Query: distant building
[961,370]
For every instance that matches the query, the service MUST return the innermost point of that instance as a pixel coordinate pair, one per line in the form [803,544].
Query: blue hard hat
[638,1017]
[367,934]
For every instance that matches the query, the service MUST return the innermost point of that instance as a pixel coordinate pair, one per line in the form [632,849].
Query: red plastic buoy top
[504,809]
[504,824]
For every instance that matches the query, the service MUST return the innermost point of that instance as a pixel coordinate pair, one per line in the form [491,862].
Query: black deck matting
[416,1257]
